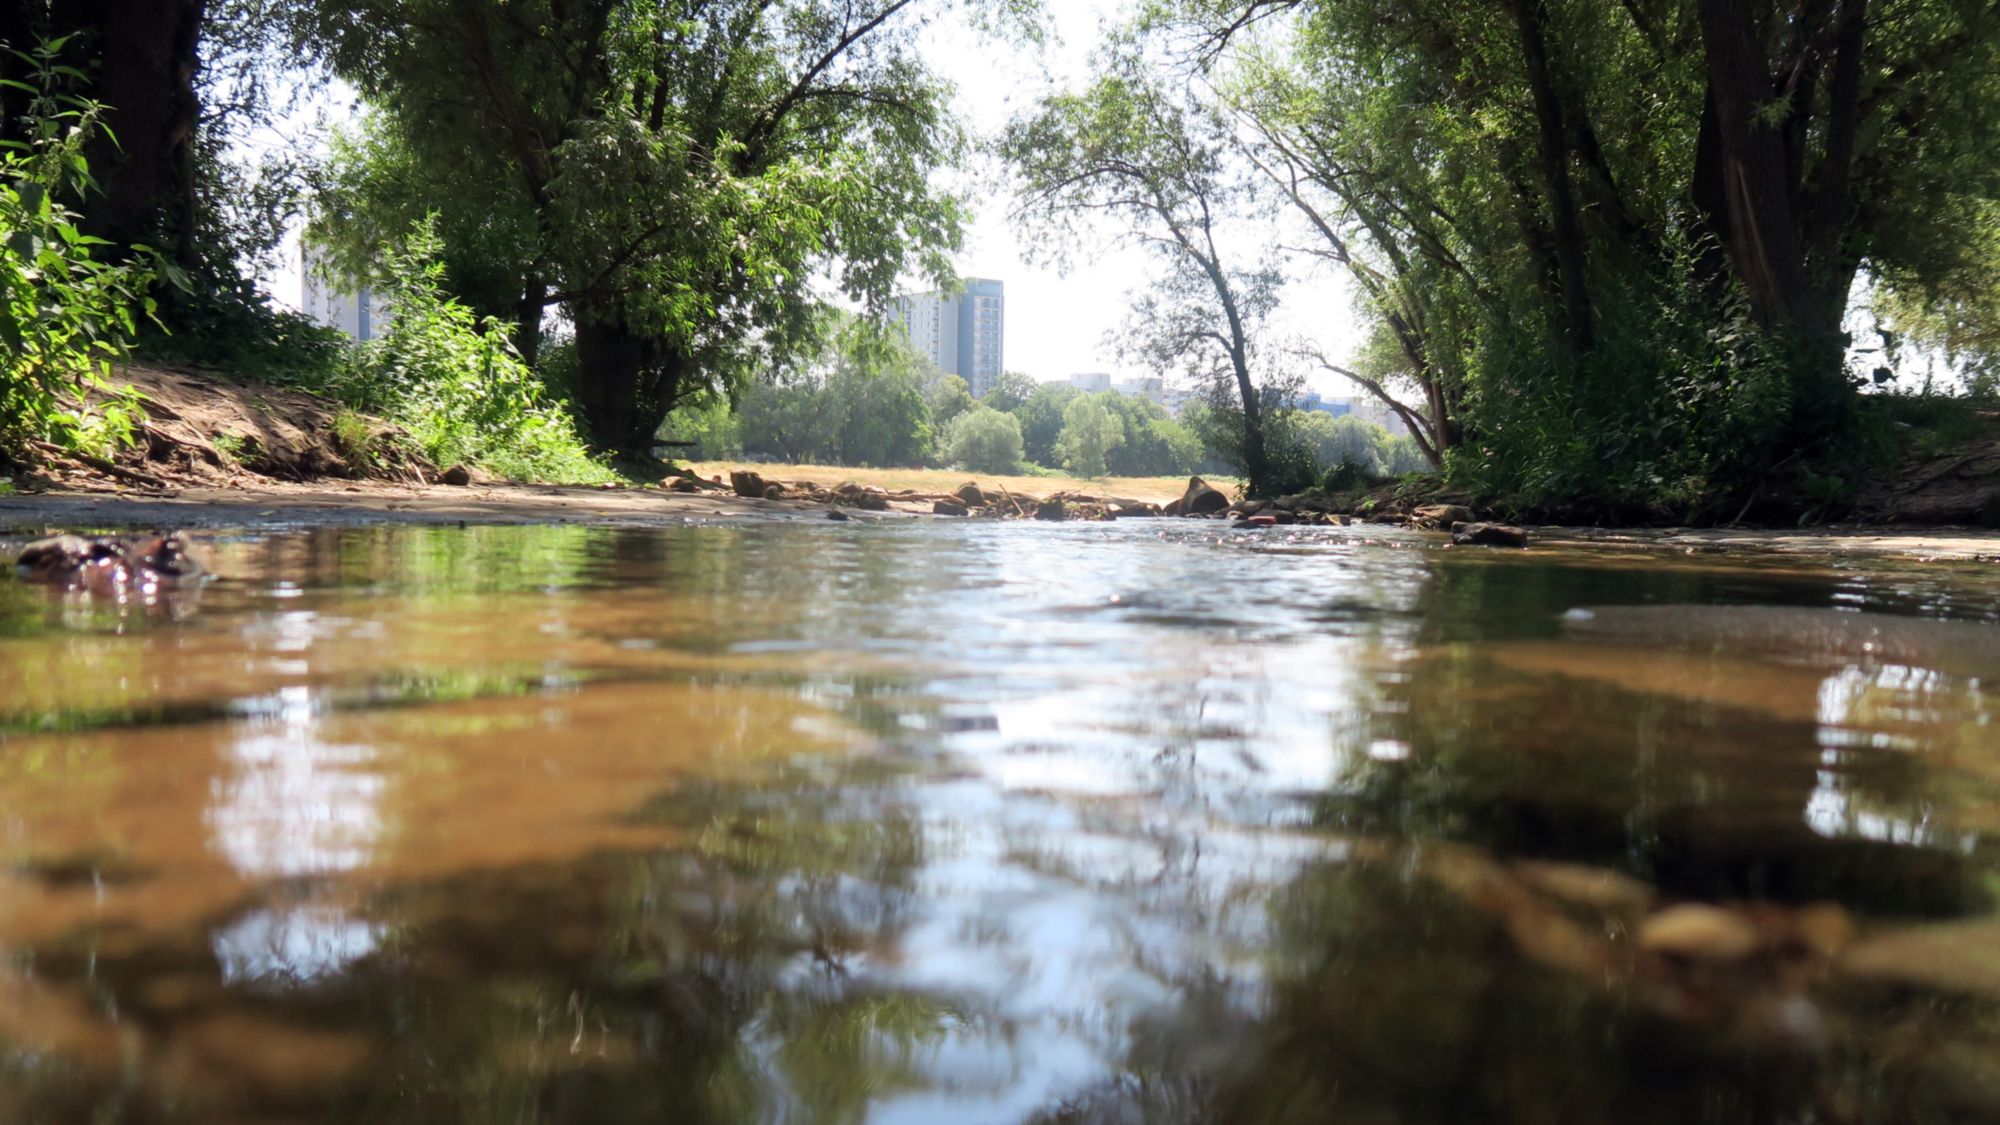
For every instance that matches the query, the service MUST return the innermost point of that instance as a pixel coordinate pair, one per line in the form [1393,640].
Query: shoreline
[282,506]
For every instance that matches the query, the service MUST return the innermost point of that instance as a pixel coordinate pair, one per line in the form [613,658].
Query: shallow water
[1151,821]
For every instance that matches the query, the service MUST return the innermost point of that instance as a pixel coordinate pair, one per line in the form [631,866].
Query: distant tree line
[870,400]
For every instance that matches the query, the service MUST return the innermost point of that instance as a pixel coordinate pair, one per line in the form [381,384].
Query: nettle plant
[68,312]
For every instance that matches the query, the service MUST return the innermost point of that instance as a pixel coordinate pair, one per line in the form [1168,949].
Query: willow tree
[1620,235]
[1125,158]
[686,168]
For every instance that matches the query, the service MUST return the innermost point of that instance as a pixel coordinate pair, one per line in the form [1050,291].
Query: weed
[355,439]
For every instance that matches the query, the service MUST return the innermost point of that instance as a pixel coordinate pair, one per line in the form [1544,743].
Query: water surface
[1156,821]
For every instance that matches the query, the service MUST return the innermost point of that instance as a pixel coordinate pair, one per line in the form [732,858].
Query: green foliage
[1089,433]
[984,440]
[1041,415]
[1530,202]
[861,402]
[454,381]
[949,397]
[1150,443]
[678,177]
[67,312]
[1010,391]
[715,430]
[352,435]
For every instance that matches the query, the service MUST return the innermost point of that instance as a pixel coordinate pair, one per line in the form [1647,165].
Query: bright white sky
[1056,324]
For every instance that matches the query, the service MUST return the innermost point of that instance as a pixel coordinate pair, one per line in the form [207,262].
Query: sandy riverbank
[278,505]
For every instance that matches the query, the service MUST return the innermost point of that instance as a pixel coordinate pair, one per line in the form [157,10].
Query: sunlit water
[1156,821]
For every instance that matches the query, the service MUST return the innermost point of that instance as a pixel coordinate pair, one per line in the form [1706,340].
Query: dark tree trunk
[1755,183]
[626,382]
[145,58]
[528,318]
[1712,262]
[1786,229]
[1531,16]
[18,32]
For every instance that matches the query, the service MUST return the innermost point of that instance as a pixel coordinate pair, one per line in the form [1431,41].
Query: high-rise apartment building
[355,309]
[964,334]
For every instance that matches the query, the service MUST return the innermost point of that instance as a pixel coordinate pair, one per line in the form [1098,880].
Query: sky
[1057,323]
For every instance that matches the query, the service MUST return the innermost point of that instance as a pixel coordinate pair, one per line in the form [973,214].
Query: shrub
[66,313]
[984,440]
[455,382]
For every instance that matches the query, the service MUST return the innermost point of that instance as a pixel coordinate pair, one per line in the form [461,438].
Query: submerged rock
[1488,535]
[108,565]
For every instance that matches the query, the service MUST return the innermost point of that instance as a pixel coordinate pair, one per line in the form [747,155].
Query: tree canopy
[671,176]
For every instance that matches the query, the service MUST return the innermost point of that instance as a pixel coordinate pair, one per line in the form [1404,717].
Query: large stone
[1440,517]
[1488,535]
[747,483]
[866,497]
[949,508]
[1201,500]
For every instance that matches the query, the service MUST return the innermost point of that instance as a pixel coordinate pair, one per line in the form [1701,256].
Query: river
[976,822]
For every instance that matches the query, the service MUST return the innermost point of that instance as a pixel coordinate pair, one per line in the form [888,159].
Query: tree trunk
[626,383]
[528,318]
[1786,239]
[145,61]
[1530,16]
[18,32]
[1256,459]
[1764,239]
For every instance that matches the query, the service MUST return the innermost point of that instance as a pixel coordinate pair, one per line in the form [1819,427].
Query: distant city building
[1374,410]
[964,334]
[1314,401]
[1149,387]
[1091,382]
[360,313]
